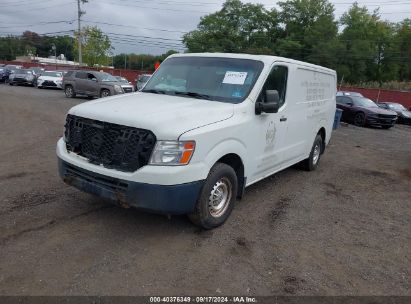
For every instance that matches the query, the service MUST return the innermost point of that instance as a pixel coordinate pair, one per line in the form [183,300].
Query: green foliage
[360,46]
[95,46]
[139,61]
[31,43]
[237,27]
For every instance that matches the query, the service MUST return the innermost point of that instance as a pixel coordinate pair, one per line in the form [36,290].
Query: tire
[104,93]
[219,188]
[311,163]
[359,119]
[69,91]
[39,87]
[10,83]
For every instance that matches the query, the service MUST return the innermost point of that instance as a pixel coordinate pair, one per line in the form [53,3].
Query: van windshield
[212,78]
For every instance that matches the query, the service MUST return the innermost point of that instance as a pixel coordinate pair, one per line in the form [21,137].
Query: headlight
[118,89]
[408,115]
[172,153]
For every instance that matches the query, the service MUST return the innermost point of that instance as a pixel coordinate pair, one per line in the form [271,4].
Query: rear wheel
[359,119]
[69,91]
[105,93]
[217,197]
[10,83]
[311,163]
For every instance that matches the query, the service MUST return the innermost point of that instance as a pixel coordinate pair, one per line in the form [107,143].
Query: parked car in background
[125,84]
[37,71]
[22,77]
[50,79]
[4,74]
[13,67]
[362,112]
[404,115]
[91,84]
[347,93]
[141,81]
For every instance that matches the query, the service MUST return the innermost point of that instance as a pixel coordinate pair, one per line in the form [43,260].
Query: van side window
[277,80]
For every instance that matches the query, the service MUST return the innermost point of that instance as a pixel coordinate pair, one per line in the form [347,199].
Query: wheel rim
[220,197]
[316,154]
[358,120]
[68,91]
[105,94]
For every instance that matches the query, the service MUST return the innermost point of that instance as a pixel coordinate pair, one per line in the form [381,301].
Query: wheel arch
[322,132]
[234,161]
[232,153]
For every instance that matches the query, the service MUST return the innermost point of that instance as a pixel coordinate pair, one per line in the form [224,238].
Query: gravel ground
[344,229]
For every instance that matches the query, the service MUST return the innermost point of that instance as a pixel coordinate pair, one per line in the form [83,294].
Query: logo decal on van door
[270,135]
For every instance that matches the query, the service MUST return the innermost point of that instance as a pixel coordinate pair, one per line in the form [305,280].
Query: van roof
[266,59]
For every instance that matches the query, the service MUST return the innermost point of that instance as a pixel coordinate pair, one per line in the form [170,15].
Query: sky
[143,26]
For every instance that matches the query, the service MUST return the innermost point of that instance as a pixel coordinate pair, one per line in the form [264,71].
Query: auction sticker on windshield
[235,77]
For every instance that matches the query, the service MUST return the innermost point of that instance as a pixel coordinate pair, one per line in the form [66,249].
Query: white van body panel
[166,116]
[265,143]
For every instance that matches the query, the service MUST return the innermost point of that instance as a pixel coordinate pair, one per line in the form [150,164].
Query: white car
[205,127]
[125,84]
[50,79]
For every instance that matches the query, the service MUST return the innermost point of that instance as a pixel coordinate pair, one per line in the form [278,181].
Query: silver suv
[91,84]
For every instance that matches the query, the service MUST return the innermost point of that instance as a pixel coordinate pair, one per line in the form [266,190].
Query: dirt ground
[344,229]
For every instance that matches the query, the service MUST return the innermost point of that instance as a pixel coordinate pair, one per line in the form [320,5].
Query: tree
[310,31]
[237,27]
[402,40]
[96,46]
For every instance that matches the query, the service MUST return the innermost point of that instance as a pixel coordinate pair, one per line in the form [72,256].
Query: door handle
[282,119]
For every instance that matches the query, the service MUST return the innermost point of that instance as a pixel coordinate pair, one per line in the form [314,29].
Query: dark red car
[362,111]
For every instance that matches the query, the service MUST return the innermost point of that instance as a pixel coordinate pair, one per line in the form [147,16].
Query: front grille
[386,116]
[19,79]
[49,83]
[113,146]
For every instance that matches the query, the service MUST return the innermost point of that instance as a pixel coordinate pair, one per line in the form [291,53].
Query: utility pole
[53,47]
[79,14]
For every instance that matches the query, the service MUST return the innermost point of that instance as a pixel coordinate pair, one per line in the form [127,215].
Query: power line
[39,8]
[136,27]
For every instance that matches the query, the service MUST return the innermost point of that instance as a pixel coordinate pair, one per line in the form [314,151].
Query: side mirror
[271,104]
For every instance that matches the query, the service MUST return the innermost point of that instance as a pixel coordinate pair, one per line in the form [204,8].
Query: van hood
[166,116]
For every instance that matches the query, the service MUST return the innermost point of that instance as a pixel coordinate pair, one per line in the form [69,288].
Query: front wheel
[359,119]
[217,197]
[311,163]
[69,91]
[105,93]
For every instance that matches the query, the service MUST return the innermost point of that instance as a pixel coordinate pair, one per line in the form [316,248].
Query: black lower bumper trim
[169,199]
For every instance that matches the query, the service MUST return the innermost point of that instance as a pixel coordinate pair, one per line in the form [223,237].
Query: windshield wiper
[154,91]
[194,94]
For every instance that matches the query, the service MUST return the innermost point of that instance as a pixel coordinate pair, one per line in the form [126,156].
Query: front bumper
[168,199]
[404,120]
[21,81]
[380,122]
[49,84]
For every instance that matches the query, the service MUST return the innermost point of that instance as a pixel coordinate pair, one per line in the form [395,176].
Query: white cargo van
[204,128]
